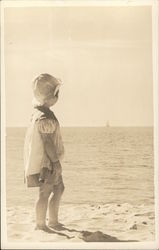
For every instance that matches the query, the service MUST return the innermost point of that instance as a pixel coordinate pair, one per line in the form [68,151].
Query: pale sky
[102,55]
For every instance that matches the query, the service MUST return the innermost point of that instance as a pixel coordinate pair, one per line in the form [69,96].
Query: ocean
[101,165]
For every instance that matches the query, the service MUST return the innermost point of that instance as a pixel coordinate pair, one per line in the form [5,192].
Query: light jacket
[35,158]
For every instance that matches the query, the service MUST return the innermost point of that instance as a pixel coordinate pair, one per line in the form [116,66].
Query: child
[43,152]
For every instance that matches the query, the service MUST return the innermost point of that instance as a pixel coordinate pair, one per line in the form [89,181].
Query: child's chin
[52,103]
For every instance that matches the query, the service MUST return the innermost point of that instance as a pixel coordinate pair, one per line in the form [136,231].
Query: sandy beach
[86,223]
[108,194]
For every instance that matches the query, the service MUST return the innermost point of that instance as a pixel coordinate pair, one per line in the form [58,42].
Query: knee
[59,189]
[44,196]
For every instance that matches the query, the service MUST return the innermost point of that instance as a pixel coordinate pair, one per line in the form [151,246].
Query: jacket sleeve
[46,128]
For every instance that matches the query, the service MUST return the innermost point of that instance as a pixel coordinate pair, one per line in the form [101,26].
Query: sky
[103,55]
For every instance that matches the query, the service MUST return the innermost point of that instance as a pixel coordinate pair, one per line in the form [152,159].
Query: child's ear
[56,89]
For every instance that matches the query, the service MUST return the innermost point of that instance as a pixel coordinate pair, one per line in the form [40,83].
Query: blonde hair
[45,86]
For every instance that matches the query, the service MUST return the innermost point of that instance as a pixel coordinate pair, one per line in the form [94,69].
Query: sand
[104,167]
[85,223]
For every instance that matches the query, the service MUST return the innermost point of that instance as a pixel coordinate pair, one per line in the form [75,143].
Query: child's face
[52,100]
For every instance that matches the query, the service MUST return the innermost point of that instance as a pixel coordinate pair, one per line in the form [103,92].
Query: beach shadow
[97,236]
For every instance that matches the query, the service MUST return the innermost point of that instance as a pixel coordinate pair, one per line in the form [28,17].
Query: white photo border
[155,60]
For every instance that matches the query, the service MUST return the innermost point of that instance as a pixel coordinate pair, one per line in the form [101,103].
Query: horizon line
[87,126]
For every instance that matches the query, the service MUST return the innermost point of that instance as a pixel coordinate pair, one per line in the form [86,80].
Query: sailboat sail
[107,125]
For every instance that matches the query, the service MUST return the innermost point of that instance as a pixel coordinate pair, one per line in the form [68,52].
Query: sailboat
[107,125]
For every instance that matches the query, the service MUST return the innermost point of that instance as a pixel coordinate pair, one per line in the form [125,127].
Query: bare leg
[41,205]
[54,204]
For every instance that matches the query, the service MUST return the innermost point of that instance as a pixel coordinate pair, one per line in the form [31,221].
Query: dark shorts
[47,188]
[53,177]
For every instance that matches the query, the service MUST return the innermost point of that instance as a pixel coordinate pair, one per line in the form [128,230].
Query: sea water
[101,165]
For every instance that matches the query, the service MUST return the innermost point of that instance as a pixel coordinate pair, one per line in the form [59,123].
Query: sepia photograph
[79,130]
